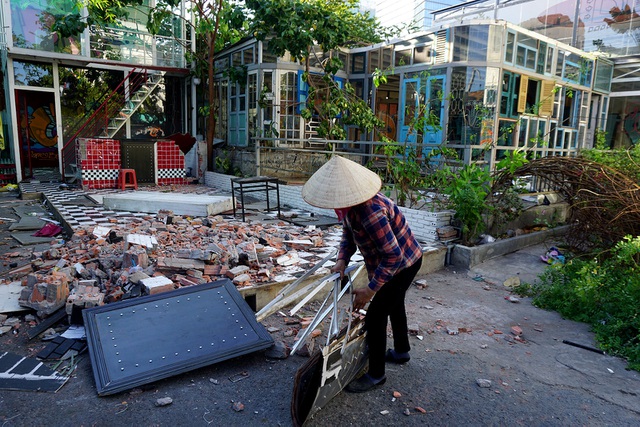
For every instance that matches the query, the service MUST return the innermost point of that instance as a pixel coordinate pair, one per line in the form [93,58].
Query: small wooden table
[253,184]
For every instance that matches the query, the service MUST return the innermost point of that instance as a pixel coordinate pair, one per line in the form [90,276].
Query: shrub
[604,292]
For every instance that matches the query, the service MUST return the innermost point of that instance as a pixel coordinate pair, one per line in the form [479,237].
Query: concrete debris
[483,383]
[45,293]
[288,259]
[164,401]
[141,239]
[421,284]
[12,321]
[279,350]
[84,296]
[152,254]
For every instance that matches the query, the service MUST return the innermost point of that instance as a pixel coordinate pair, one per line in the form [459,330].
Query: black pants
[388,302]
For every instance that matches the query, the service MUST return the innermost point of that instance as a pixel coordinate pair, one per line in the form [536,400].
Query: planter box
[469,256]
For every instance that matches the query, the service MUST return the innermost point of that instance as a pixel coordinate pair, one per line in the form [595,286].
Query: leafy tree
[313,30]
[216,24]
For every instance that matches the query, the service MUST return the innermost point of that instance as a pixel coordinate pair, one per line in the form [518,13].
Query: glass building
[54,85]
[488,87]
[607,28]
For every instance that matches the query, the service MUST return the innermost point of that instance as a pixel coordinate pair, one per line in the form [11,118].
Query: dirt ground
[465,334]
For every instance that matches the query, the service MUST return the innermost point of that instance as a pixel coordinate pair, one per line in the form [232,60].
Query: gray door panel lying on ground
[146,339]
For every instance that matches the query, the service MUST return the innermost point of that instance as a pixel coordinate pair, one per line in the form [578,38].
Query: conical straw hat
[340,183]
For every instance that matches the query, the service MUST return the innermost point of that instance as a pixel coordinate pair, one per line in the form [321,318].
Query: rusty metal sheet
[146,339]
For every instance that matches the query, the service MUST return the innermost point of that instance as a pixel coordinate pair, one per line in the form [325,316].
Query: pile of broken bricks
[146,255]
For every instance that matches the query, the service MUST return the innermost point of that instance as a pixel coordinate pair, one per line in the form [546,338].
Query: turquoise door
[433,130]
[409,109]
[237,115]
[423,96]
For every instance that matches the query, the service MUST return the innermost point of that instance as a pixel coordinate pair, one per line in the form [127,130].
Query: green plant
[603,291]
[626,161]
[403,170]
[224,165]
[467,189]
[237,74]
[524,289]
[313,31]
[505,207]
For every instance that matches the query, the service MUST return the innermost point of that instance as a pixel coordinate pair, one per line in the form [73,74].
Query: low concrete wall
[555,213]
[468,256]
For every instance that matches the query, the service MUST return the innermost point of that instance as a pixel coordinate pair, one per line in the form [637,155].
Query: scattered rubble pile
[158,253]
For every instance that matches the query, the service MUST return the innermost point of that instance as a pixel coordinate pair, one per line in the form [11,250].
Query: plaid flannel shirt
[380,231]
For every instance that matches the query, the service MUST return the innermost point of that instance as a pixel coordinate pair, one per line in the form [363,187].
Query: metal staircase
[133,104]
[111,116]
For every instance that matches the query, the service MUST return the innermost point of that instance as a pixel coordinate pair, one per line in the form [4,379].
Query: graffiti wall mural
[38,133]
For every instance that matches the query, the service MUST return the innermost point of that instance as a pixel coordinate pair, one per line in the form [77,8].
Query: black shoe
[364,383]
[393,358]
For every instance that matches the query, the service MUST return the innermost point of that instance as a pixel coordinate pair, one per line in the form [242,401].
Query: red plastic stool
[122,179]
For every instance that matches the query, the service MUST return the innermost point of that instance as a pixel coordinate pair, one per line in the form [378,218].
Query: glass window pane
[236,59]
[421,55]
[460,44]
[527,41]
[549,63]
[531,59]
[267,56]
[31,23]
[247,56]
[403,57]
[387,54]
[357,63]
[478,39]
[508,57]
[374,60]
[604,72]
[541,58]
[521,55]
[33,74]
[560,63]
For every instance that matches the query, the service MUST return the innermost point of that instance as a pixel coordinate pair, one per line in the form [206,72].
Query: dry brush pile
[604,203]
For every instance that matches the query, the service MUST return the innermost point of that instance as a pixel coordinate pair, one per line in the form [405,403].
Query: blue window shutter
[303,93]
[340,81]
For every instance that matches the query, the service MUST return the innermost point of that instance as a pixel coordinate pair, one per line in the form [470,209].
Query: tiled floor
[75,208]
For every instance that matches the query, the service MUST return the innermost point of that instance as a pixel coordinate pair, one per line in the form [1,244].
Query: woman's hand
[339,267]
[361,297]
